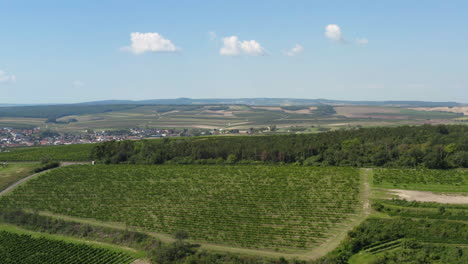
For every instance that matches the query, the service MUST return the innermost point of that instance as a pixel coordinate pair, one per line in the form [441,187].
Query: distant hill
[54,111]
[273,102]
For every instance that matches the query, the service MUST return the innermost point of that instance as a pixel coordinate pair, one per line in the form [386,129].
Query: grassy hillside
[251,206]
[11,173]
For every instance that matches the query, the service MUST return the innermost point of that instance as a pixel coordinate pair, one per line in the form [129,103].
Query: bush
[47,166]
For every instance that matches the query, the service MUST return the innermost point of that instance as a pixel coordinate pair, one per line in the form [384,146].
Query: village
[16,137]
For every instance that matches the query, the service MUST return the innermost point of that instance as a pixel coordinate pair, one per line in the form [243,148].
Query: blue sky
[74,51]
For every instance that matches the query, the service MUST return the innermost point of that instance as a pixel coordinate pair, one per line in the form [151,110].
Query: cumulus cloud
[6,77]
[149,42]
[362,41]
[333,32]
[294,50]
[232,46]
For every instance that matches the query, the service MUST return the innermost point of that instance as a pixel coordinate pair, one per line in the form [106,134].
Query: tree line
[435,147]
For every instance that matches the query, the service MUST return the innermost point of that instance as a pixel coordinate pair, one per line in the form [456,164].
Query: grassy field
[11,173]
[422,179]
[23,123]
[80,152]
[21,246]
[274,207]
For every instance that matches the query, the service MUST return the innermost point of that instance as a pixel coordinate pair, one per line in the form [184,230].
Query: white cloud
[362,41]
[333,32]
[149,42]
[294,50]
[6,77]
[232,46]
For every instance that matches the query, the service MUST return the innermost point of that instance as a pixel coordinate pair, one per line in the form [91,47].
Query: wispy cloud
[149,42]
[212,35]
[232,46]
[6,77]
[294,50]
[362,41]
[78,84]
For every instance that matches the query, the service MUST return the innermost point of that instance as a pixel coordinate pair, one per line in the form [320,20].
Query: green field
[11,173]
[422,179]
[424,210]
[79,152]
[17,246]
[250,206]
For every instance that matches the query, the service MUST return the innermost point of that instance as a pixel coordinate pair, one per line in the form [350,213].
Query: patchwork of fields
[251,206]
[233,117]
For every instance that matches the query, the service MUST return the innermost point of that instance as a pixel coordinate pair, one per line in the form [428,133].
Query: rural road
[11,187]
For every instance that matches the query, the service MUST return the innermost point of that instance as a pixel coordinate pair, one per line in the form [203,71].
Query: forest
[427,146]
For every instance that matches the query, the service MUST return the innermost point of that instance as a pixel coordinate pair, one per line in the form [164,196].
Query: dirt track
[420,196]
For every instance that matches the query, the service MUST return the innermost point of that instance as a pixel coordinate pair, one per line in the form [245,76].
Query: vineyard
[422,210]
[275,207]
[25,249]
[80,152]
[422,179]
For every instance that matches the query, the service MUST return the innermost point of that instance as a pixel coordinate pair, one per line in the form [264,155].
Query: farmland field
[220,116]
[79,152]
[422,179]
[22,247]
[11,173]
[274,207]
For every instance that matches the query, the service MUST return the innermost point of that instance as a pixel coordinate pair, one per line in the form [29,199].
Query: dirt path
[420,196]
[11,187]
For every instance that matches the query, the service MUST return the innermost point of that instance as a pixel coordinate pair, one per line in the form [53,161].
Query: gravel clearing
[420,196]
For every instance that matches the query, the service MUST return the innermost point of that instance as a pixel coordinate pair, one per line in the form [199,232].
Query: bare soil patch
[141,261]
[363,111]
[420,196]
[456,109]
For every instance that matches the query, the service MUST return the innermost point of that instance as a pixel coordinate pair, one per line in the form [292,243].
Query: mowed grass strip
[244,205]
[422,179]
